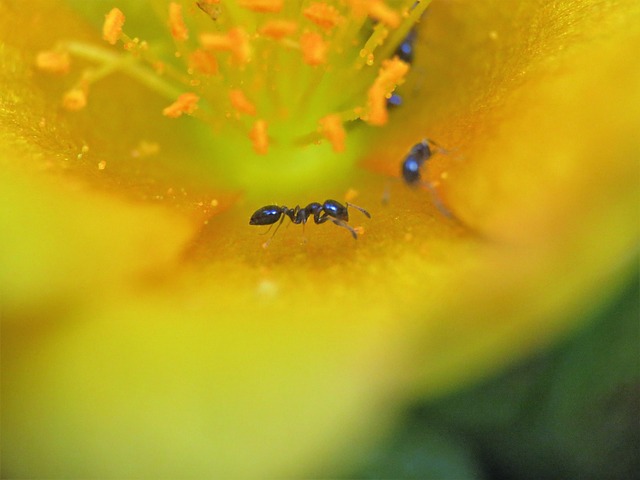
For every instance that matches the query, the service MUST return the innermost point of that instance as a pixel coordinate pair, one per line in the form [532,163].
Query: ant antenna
[366,214]
[266,244]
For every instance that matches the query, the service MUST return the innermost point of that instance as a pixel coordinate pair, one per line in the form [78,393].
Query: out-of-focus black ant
[418,155]
[404,52]
[330,210]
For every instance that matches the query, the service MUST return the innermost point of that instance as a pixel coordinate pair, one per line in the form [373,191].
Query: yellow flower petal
[234,360]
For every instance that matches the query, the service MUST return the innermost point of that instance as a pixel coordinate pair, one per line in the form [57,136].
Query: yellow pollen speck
[178,29]
[75,99]
[186,103]
[102,165]
[314,48]
[359,230]
[391,74]
[214,203]
[259,137]
[262,6]
[278,29]
[203,62]
[324,15]
[53,61]
[112,27]
[332,129]
[241,103]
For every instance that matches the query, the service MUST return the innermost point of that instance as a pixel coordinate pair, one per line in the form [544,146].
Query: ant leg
[386,194]
[367,214]
[342,224]
[437,201]
[269,229]
[266,244]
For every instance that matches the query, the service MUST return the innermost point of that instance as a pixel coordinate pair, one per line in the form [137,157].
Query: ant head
[336,210]
[422,150]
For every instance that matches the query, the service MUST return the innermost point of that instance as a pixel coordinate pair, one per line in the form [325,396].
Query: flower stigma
[276,84]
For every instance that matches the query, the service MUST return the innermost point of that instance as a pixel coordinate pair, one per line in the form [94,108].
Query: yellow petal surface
[147,332]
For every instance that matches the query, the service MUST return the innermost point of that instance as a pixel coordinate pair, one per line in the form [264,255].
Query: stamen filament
[140,72]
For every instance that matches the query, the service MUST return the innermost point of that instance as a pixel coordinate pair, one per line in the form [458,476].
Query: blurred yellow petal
[211,356]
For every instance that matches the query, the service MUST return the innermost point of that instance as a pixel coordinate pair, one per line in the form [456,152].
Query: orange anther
[235,41]
[186,103]
[241,47]
[75,99]
[332,129]
[241,103]
[259,137]
[215,41]
[314,49]
[380,12]
[377,10]
[112,27]
[53,61]
[278,29]
[262,6]
[178,29]
[324,15]
[203,62]
[391,74]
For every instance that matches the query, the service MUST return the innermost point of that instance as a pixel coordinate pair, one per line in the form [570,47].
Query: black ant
[404,52]
[329,210]
[419,154]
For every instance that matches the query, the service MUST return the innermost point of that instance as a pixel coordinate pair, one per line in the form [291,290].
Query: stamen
[332,129]
[383,14]
[241,103]
[187,103]
[53,61]
[112,27]
[247,65]
[262,6]
[391,74]
[176,23]
[241,50]
[203,62]
[259,137]
[235,41]
[216,42]
[76,98]
[314,49]
[324,15]
[278,29]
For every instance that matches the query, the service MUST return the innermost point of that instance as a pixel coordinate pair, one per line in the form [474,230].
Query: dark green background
[572,412]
